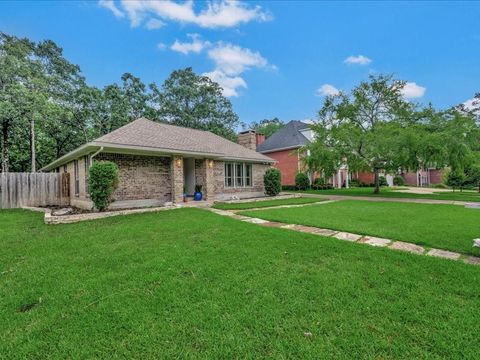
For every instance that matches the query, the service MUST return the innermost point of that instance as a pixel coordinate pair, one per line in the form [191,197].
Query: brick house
[158,162]
[284,145]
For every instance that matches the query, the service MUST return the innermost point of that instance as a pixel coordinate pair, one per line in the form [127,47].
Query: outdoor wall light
[178,162]
[210,164]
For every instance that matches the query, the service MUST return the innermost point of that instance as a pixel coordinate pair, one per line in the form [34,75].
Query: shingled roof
[287,137]
[146,136]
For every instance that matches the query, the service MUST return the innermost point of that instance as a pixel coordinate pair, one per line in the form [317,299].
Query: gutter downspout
[95,154]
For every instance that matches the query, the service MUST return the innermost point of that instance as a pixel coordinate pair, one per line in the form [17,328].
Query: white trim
[234,175]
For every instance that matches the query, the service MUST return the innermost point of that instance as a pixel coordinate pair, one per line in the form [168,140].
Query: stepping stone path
[375,241]
[404,246]
[346,236]
[444,254]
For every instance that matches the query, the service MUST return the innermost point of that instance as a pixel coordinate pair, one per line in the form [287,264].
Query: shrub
[455,179]
[322,187]
[354,183]
[383,181]
[301,181]
[288,187]
[398,180]
[102,182]
[272,181]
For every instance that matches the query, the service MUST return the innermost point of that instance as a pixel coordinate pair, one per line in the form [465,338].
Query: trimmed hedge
[272,181]
[398,180]
[301,181]
[102,182]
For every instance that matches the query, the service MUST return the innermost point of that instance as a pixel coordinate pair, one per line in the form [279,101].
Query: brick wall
[436,176]
[257,179]
[141,177]
[288,164]
[364,177]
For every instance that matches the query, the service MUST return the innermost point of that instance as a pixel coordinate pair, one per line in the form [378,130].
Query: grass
[469,196]
[265,203]
[188,283]
[450,227]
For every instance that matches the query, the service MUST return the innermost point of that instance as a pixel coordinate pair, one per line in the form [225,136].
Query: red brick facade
[288,163]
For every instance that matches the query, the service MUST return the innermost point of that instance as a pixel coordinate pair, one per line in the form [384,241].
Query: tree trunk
[377,182]
[5,149]
[32,144]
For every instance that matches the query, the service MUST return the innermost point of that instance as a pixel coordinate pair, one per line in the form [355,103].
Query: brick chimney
[260,138]
[248,139]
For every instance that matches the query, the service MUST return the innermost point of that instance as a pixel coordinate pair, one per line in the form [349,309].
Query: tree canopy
[374,128]
[267,126]
[47,109]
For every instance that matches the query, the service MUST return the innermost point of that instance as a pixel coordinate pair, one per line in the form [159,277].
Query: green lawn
[265,203]
[469,196]
[450,227]
[188,283]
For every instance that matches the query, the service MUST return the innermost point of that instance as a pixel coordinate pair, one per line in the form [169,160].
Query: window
[87,168]
[65,168]
[77,181]
[228,175]
[248,174]
[238,175]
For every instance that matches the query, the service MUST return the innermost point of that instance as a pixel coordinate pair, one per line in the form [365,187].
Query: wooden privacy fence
[33,189]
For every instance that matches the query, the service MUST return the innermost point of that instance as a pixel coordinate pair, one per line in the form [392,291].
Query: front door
[189,175]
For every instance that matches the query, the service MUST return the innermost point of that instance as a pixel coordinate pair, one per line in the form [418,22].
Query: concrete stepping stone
[473,260]
[444,254]
[255,221]
[403,246]
[311,230]
[347,236]
[326,232]
[288,226]
[272,224]
[375,241]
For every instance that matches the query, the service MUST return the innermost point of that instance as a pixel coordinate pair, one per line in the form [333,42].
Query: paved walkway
[402,200]
[346,236]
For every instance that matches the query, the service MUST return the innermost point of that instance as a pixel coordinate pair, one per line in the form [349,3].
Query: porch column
[176,173]
[209,185]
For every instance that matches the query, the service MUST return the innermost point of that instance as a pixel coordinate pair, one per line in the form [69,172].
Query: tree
[365,128]
[267,126]
[455,179]
[15,67]
[190,100]
[473,175]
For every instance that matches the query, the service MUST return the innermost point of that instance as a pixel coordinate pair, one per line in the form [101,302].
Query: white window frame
[234,165]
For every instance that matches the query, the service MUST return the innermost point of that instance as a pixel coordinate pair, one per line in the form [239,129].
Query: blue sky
[272,58]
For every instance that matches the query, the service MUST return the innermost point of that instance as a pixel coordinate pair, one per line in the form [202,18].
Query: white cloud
[110,5]
[230,62]
[327,90]
[412,90]
[233,60]
[217,14]
[229,84]
[161,46]
[196,46]
[154,24]
[471,104]
[357,60]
